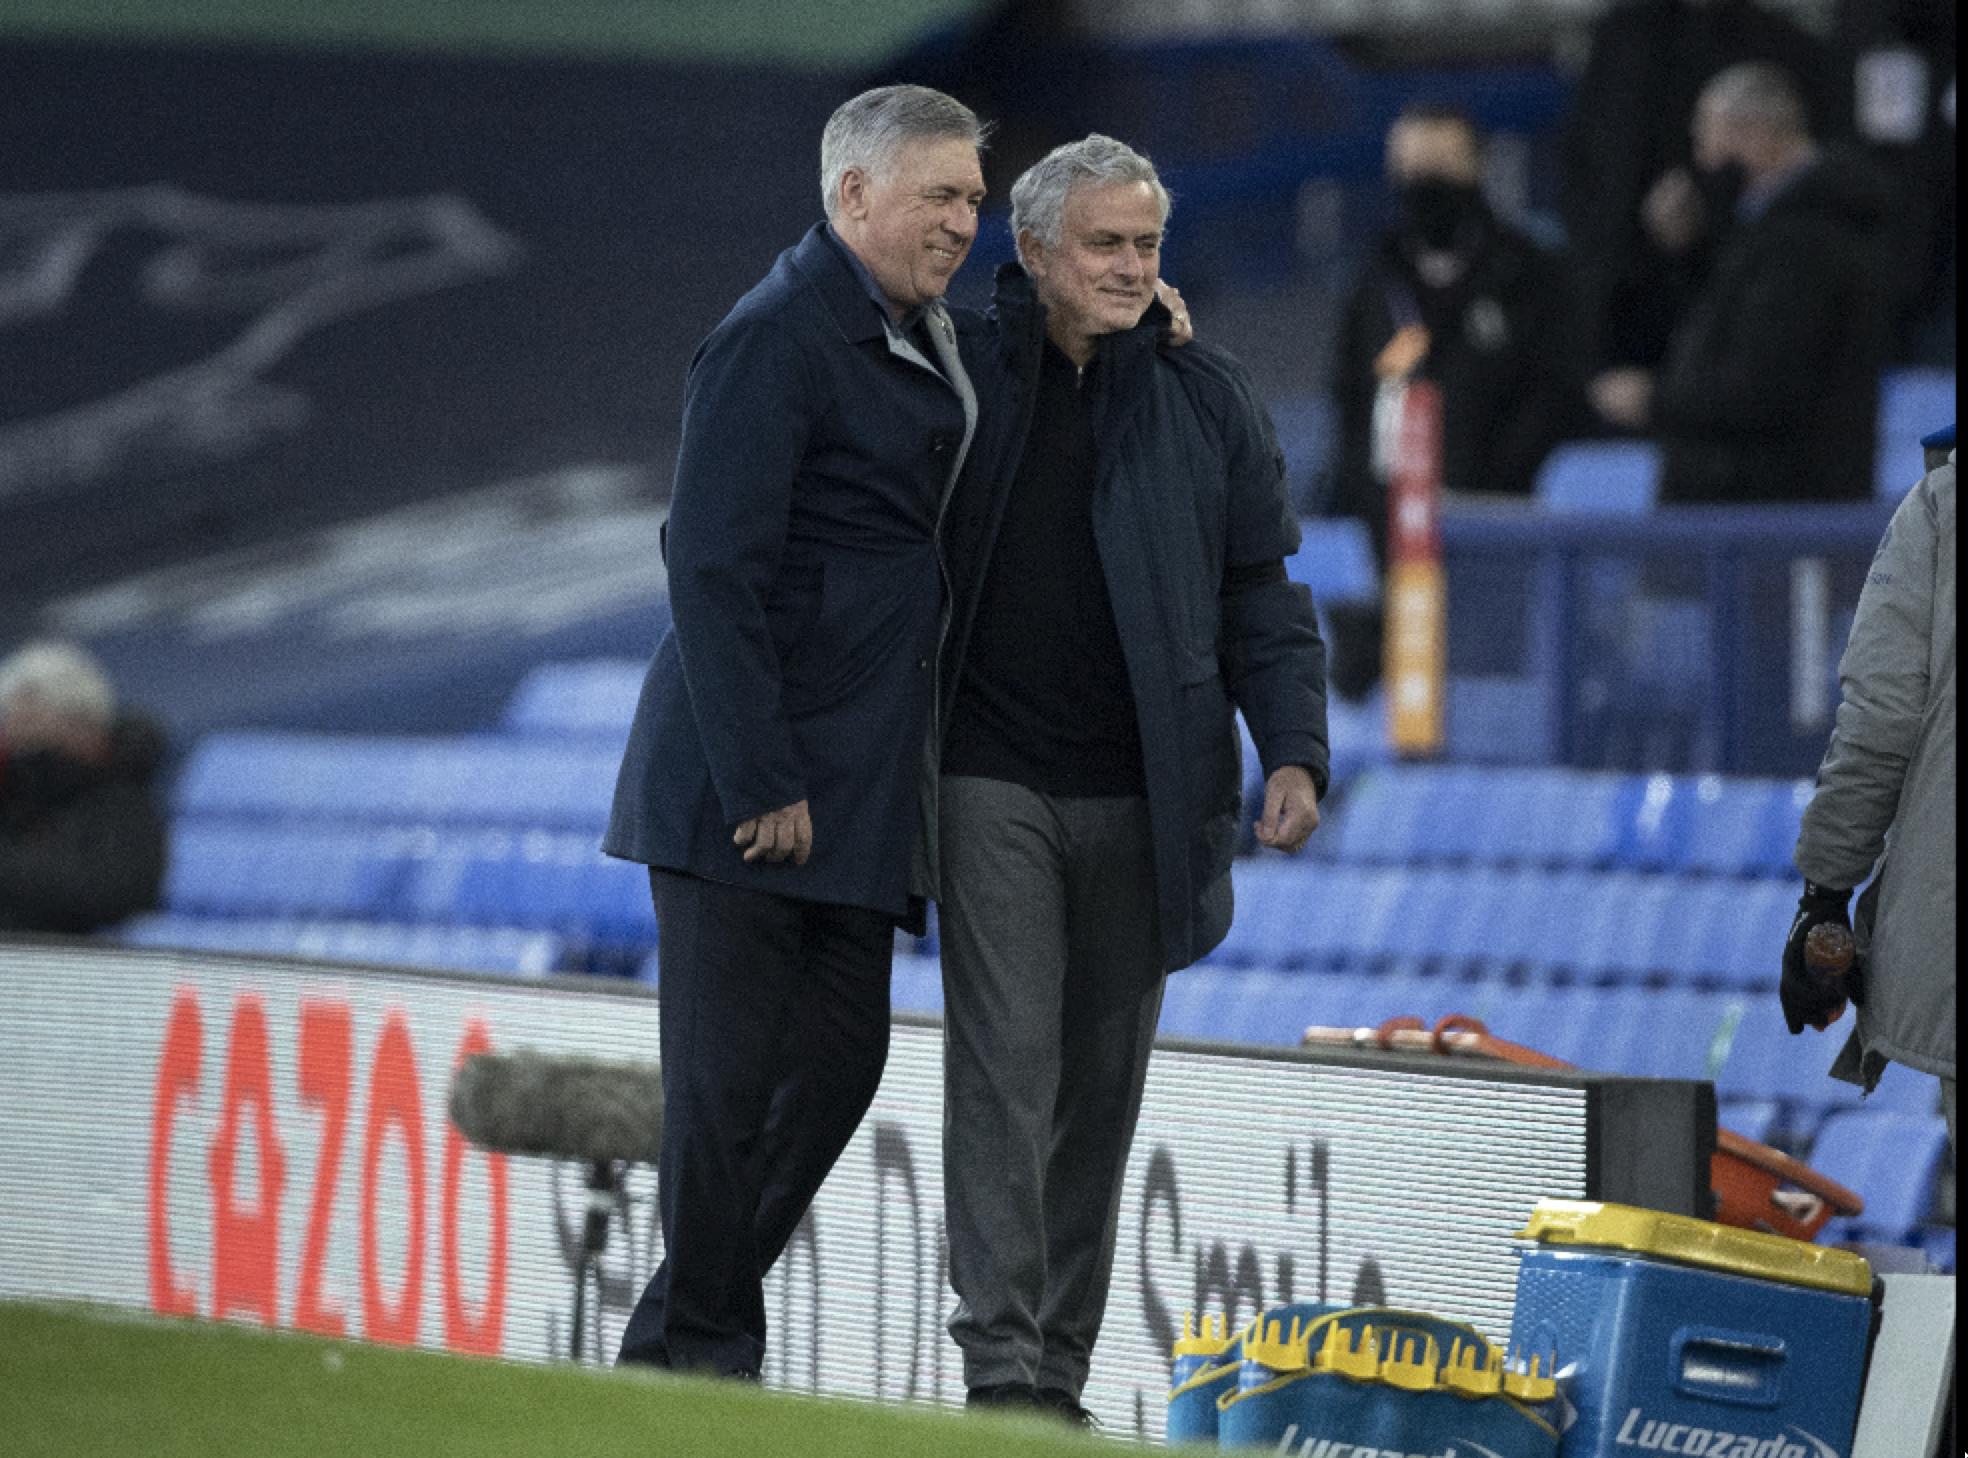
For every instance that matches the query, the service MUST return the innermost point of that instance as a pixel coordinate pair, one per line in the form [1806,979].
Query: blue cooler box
[1691,1338]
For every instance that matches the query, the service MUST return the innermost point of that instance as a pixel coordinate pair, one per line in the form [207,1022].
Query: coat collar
[821,262]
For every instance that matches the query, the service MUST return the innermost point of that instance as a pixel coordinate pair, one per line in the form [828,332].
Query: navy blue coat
[805,594]
[1192,522]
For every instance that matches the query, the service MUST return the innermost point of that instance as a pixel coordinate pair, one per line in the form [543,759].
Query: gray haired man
[774,774]
[1117,547]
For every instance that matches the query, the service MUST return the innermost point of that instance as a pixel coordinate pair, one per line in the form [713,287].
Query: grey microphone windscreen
[561,1105]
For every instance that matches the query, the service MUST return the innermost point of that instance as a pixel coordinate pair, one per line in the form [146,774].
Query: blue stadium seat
[1307,426]
[255,869]
[1757,1119]
[590,697]
[1278,904]
[1387,816]
[1480,902]
[1418,929]
[1335,559]
[1912,403]
[1783,816]
[400,780]
[1364,901]
[510,950]
[1193,1001]
[1889,1159]
[916,984]
[1616,477]
[1654,815]
[1552,817]
[1271,1007]
[1698,923]
[1752,934]
[1670,1032]
[1727,824]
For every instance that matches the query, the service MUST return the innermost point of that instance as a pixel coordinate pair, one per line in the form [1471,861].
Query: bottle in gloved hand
[1828,953]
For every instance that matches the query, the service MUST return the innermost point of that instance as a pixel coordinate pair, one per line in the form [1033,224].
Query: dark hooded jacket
[82,843]
[1770,390]
[1192,526]
[1504,344]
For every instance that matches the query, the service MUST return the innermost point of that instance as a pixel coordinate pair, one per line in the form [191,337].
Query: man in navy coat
[776,780]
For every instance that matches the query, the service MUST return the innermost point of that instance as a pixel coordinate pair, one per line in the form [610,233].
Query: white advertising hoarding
[266,1140]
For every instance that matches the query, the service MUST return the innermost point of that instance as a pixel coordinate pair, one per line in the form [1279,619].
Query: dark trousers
[774,1033]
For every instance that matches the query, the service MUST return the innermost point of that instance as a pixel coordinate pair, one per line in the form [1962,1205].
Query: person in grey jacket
[1117,549]
[1885,802]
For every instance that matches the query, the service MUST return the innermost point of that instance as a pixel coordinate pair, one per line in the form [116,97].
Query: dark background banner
[248,292]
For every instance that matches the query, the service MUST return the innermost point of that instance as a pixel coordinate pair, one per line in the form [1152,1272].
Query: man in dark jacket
[774,775]
[1117,548]
[1634,217]
[82,838]
[1770,391]
[1492,316]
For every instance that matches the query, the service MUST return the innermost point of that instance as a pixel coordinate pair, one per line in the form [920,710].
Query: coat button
[922,663]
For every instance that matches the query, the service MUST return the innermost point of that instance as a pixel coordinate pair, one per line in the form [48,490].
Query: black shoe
[1003,1394]
[1058,1402]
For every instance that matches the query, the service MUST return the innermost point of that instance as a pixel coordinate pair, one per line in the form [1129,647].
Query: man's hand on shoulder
[1291,809]
[777,835]
[1179,332]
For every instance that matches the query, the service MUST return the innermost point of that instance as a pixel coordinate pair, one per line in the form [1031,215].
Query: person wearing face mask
[1769,391]
[82,838]
[1636,219]
[1498,316]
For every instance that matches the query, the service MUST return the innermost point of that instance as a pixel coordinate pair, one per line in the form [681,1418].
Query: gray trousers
[1052,984]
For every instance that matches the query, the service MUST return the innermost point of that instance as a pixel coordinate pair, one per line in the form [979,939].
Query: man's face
[1421,148]
[1717,136]
[1100,277]
[912,227]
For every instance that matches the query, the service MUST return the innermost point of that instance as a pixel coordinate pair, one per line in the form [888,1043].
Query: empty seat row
[1737,1039]
[554,784]
[542,879]
[508,950]
[1484,920]
[588,697]
[1698,824]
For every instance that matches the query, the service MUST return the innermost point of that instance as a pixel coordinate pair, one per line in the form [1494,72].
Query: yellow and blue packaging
[1686,1337]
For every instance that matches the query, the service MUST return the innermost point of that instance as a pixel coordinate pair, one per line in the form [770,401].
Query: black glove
[1811,999]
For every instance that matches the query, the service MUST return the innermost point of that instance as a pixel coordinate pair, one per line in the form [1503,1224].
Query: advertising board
[266,1140]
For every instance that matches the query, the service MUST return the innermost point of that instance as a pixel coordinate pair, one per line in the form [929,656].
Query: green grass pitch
[90,1383]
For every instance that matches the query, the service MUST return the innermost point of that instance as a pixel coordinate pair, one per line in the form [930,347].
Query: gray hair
[1038,198]
[868,131]
[1761,94]
[62,676]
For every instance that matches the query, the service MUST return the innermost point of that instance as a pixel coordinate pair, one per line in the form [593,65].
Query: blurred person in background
[1637,215]
[1884,808]
[1491,317]
[777,778]
[1770,388]
[1118,549]
[82,834]
[1900,73]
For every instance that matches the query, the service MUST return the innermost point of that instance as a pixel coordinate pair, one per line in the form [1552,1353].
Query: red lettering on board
[394,1102]
[246,1238]
[483,1333]
[177,1078]
[327,1079]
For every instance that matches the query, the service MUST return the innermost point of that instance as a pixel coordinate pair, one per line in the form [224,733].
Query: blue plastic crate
[1665,1350]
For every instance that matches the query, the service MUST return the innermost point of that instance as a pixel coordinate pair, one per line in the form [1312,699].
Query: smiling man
[774,778]
[1117,547]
